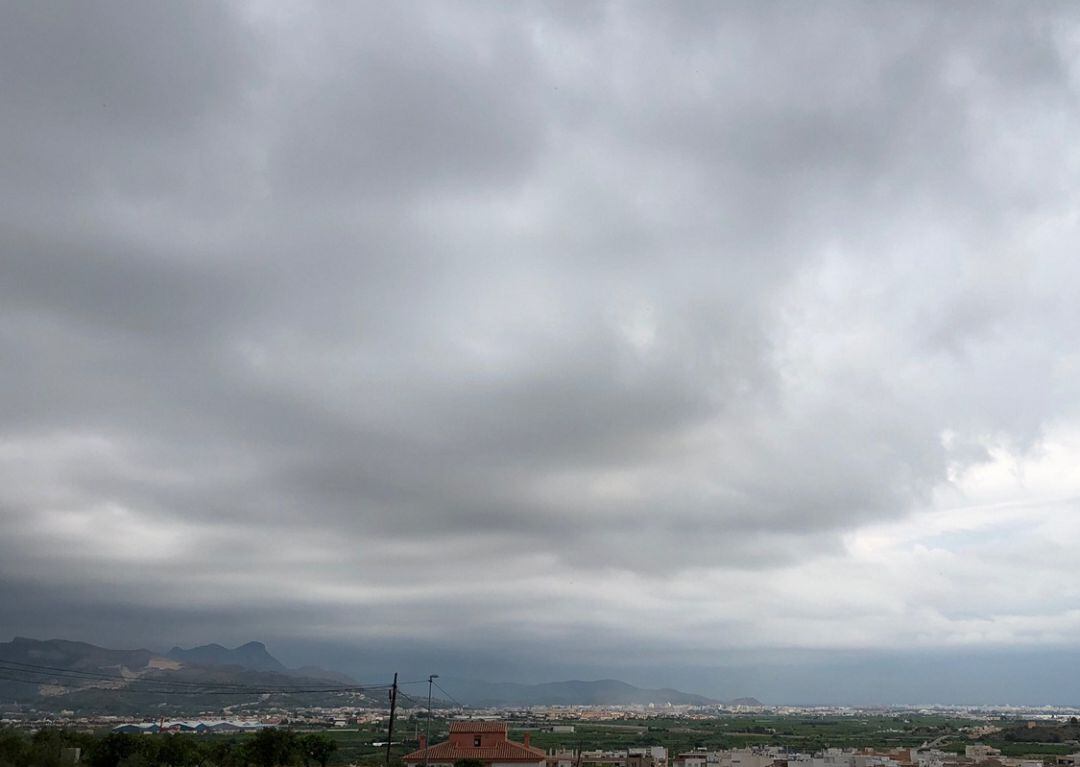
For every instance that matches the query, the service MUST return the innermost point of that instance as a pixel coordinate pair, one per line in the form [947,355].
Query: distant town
[606,736]
[66,703]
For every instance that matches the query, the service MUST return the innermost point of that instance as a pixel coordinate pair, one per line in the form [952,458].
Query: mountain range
[59,674]
[62,674]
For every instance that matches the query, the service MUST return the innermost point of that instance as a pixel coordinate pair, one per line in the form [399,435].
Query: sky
[728,346]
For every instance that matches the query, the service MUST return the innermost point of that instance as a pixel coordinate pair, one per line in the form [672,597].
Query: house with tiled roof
[485,742]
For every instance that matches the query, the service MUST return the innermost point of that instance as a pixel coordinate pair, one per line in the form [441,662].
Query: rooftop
[477,726]
[451,752]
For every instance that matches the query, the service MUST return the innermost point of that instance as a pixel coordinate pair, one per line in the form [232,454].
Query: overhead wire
[409,698]
[32,673]
[156,686]
[61,670]
[448,695]
[164,690]
[40,674]
[71,673]
[436,684]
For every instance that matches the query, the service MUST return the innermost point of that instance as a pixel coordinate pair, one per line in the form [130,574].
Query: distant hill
[751,702]
[318,672]
[255,657]
[252,655]
[57,674]
[600,692]
[81,656]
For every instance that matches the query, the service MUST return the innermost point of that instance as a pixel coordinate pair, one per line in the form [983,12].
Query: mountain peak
[252,655]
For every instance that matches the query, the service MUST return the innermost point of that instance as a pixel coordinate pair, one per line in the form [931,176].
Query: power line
[444,692]
[53,671]
[149,685]
[85,674]
[164,686]
[162,690]
[448,695]
[70,673]
[165,690]
[409,698]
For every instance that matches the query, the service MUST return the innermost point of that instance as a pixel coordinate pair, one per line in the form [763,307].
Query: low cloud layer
[541,330]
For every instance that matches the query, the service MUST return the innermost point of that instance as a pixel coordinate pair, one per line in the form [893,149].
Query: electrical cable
[51,674]
[173,691]
[448,695]
[95,675]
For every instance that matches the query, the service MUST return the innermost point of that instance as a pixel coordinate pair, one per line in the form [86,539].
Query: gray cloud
[434,311]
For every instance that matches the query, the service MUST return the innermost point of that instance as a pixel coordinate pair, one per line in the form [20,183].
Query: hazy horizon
[727,347]
[867,678]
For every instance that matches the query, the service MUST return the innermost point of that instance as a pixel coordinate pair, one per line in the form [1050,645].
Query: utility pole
[390,729]
[427,738]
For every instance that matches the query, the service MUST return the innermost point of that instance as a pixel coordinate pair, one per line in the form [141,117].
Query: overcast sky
[672,341]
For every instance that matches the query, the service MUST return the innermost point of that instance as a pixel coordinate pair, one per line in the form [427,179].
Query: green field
[796,732]
[799,733]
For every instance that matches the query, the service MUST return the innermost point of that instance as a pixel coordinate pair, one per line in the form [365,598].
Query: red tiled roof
[506,751]
[477,725]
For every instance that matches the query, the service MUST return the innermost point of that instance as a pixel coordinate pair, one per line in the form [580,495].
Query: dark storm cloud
[571,313]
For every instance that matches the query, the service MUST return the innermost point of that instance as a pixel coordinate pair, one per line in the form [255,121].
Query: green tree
[112,749]
[272,748]
[14,746]
[224,753]
[178,751]
[45,747]
[318,747]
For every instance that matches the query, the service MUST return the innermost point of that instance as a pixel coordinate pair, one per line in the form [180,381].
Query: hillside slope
[58,674]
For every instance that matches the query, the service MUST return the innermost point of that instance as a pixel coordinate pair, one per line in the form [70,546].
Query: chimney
[528,737]
[423,742]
